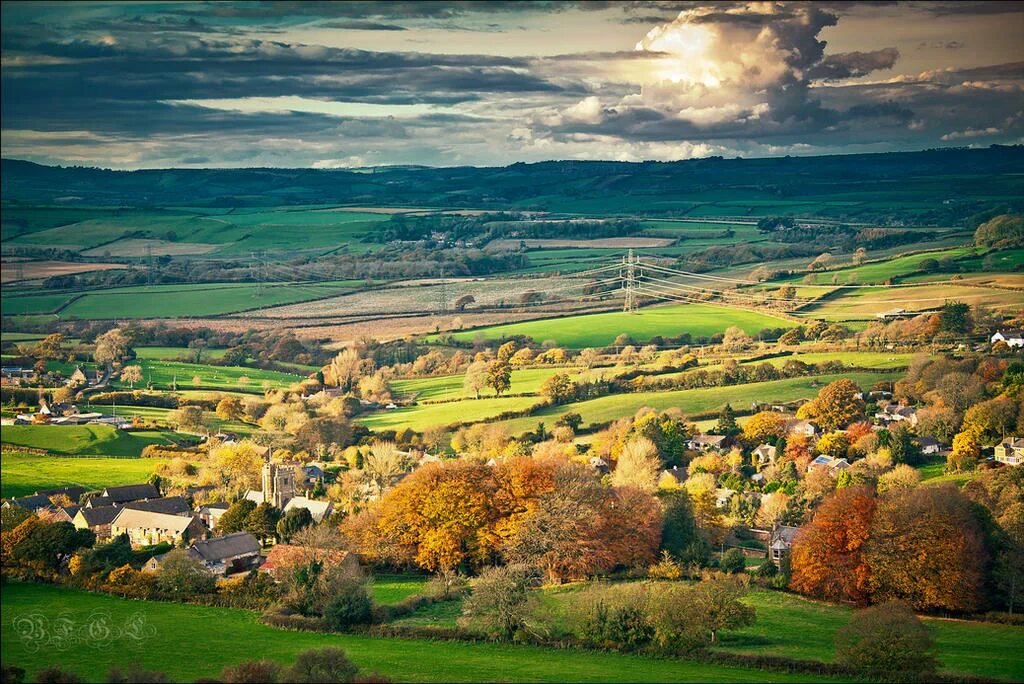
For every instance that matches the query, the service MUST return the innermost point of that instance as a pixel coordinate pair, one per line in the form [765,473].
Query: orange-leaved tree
[827,553]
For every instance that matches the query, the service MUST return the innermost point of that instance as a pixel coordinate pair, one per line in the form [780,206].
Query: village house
[126,493]
[96,519]
[897,413]
[58,514]
[210,513]
[319,510]
[723,496]
[673,477]
[834,465]
[172,505]
[781,542]
[237,552]
[145,528]
[929,445]
[83,377]
[1010,452]
[704,443]
[1012,338]
[797,426]
[15,376]
[764,453]
[44,500]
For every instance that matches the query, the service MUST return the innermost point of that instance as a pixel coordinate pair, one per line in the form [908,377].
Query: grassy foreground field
[165,373]
[211,636]
[599,330]
[98,440]
[524,381]
[27,473]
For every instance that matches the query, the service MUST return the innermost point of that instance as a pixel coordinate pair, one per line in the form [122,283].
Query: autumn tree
[834,444]
[131,375]
[189,417]
[233,519]
[965,453]
[112,347]
[558,388]
[239,465]
[230,408]
[499,376]
[764,426]
[500,600]
[476,378]
[927,548]
[465,300]
[383,464]
[837,405]
[345,369]
[827,556]
[182,575]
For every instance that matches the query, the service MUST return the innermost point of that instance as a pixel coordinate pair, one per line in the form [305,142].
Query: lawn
[174,353]
[880,271]
[215,637]
[856,359]
[599,330]
[423,416]
[84,440]
[27,473]
[690,402]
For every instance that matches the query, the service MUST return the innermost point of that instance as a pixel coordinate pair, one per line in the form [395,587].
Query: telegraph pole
[442,295]
[629,283]
[149,262]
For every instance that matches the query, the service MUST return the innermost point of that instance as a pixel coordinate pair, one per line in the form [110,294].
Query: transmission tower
[149,262]
[258,272]
[629,282]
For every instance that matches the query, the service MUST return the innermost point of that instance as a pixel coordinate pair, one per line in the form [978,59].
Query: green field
[171,301]
[292,229]
[858,359]
[86,440]
[796,627]
[161,416]
[211,637]
[27,473]
[164,373]
[174,353]
[690,402]
[880,271]
[599,330]
[391,589]
[424,416]
[524,381]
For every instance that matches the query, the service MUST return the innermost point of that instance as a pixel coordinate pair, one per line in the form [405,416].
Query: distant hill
[877,183]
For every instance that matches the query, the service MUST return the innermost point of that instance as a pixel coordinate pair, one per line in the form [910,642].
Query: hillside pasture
[170,301]
[600,330]
[423,416]
[33,270]
[28,473]
[141,247]
[167,374]
[691,401]
[81,440]
[524,381]
[865,304]
[211,637]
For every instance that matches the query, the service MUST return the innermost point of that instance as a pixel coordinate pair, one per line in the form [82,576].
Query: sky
[489,83]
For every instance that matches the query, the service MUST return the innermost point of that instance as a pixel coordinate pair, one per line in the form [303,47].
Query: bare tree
[383,464]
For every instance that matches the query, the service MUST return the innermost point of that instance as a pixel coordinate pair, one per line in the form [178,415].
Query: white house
[1012,338]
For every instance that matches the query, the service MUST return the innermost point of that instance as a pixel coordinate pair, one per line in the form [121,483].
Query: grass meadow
[164,374]
[599,330]
[81,440]
[28,473]
[211,636]
[691,401]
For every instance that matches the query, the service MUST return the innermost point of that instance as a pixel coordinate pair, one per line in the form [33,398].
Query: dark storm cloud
[853,64]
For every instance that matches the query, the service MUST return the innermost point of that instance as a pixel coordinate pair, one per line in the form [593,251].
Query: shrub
[182,575]
[500,601]
[325,665]
[886,642]
[733,561]
[55,675]
[252,672]
[136,675]
[351,606]
[621,624]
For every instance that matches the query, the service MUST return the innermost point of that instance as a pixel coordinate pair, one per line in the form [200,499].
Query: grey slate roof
[102,515]
[131,492]
[228,546]
[175,505]
[32,502]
